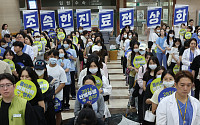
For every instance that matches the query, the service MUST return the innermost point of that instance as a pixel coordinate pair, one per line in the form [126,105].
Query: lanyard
[183,117]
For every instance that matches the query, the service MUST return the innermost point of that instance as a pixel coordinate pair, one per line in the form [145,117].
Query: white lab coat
[186,58]
[167,111]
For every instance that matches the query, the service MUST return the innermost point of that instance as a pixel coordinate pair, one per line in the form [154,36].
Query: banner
[154,16]
[30,18]
[47,20]
[106,19]
[155,85]
[11,64]
[138,61]
[166,92]
[65,19]
[84,18]
[126,16]
[180,14]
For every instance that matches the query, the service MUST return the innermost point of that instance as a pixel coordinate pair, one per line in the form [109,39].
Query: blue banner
[106,19]
[31,19]
[126,16]
[84,18]
[47,20]
[154,16]
[180,14]
[166,92]
[88,93]
[65,18]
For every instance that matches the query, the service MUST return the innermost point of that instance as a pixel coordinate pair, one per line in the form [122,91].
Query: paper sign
[11,63]
[44,85]
[138,61]
[38,44]
[61,35]
[166,92]
[98,82]
[155,85]
[58,105]
[176,69]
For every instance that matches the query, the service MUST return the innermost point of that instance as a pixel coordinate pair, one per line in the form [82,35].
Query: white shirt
[154,38]
[58,73]
[127,44]
[169,46]
[84,40]
[176,54]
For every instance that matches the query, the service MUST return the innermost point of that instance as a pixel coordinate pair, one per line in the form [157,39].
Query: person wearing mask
[4,30]
[41,71]
[88,49]
[161,49]
[154,37]
[84,37]
[167,29]
[72,57]
[13,109]
[65,63]
[179,108]
[128,40]
[80,29]
[58,73]
[148,94]
[103,51]
[169,42]
[175,50]
[8,41]
[41,52]
[21,58]
[26,49]
[181,36]
[189,54]
[28,41]
[167,79]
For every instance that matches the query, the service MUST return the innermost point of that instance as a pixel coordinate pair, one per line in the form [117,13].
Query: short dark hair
[85,32]
[2,41]
[4,26]
[18,43]
[90,77]
[193,39]
[10,52]
[7,76]
[158,69]
[23,35]
[54,51]
[31,41]
[190,27]
[7,35]
[191,20]
[184,74]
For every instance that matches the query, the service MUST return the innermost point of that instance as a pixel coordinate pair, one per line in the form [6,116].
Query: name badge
[16,115]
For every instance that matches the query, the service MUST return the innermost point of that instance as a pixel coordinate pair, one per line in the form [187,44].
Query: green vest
[16,113]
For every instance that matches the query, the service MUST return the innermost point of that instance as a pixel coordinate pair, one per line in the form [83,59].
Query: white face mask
[152,67]
[125,36]
[37,39]
[77,36]
[93,39]
[171,35]
[4,46]
[90,43]
[80,31]
[158,31]
[129,37]
[39,72]
[136,50]
[167,30]
[168,84]
[199,34]
[158,76]
[93,70]
[142,52]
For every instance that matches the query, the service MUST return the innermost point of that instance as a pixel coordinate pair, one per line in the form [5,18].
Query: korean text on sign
[154,16]
[47,20]
[84,18]
[106,19]
[30,18]
[126,17]
[65,18]
[180,14]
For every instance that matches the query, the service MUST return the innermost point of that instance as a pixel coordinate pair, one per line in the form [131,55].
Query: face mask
[53,60]
[152,67]
[177,45]
[93,70]
[167,30]
[13,40]
[158,31]
[129,37]
[168,84]
[4,46]
[158,76]
[80,31]
[47,62]
[199,34]
[100,47]
[61,55]
[39,72]
[90,43]
[171,35]
[142,52]
[37,39]
[93,39]
[125,36]
[136,50]
[77,36]
[66,45]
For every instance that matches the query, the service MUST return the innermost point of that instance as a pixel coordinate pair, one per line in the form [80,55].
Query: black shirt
[30,118]
[37,98]
[25,59]
[147,76]
[196,65]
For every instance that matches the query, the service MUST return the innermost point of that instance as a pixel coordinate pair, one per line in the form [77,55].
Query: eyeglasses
[6,85]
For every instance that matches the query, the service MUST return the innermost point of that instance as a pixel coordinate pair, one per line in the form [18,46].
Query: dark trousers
[197,87]
[66,90]
[72,86]
[124,64]
[50,114]
[172,66]
[140,108]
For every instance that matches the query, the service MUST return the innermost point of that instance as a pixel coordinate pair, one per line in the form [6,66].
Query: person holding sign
[189,54]
[41,49]
[29,41]
[13,109]
[168,81]
[98,106]
[188,34]
[179,108]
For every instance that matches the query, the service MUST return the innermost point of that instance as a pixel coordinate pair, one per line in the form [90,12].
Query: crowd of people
[82,55]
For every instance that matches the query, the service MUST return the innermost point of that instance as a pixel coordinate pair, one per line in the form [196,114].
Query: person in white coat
[189,54]
[179,108]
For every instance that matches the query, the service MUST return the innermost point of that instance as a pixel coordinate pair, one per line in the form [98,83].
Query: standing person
[179,108]
[29,41]
[4,30]
[2,49]
[13,109]
[41,71]
[191,23]
[182,49]
[21,58]
[57,73]
[72,56]
[40,55]
[198,37]
[175,50]
[189,54]
[154,37]
[161,49]
[65,63]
